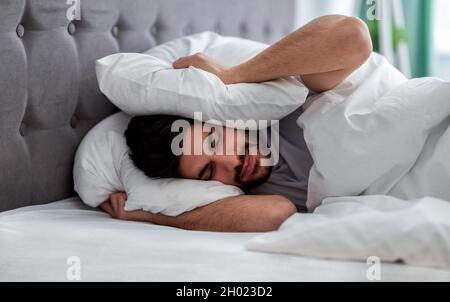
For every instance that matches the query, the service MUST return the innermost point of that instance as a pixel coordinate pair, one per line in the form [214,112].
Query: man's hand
[115,206]
[202,61]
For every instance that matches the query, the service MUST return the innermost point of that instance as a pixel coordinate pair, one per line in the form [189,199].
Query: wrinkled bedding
[380,184]
[36,243]
[379,134]
[414,232]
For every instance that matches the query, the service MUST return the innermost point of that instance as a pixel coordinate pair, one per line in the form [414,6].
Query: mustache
[240,167]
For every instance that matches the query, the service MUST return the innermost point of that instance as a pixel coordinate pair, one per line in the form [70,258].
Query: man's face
[233,166]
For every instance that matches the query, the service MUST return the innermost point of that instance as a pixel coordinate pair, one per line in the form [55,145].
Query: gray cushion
[49,97]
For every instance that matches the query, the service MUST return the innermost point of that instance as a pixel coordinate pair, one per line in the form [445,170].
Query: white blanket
[386,141]
[378,134]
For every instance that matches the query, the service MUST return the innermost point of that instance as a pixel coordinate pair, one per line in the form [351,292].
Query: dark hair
[149,139]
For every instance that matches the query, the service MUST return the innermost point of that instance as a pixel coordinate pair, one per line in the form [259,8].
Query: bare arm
[237,214]
[324,52]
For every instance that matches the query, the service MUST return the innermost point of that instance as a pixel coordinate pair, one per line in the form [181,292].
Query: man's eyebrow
[203,171]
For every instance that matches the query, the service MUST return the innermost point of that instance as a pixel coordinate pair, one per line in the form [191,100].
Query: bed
[41,239]
[50,100]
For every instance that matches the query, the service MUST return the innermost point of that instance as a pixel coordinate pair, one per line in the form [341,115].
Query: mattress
[37,242]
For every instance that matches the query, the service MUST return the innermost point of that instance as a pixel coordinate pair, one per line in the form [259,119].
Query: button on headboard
[48,91]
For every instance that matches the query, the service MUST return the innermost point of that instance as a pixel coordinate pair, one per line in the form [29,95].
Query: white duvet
[380,134]
[385,140]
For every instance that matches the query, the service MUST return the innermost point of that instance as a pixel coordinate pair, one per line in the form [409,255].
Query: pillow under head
[103,166]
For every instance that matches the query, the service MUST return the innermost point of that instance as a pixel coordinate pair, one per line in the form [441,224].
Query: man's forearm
[327,44]
[237,214]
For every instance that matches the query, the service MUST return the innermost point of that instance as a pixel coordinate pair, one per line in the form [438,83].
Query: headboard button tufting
[218,28]
[23,129]
[20,30]
[243,30]
[267,30]
[115,31]
[154,30]
[73,122]
[71,28]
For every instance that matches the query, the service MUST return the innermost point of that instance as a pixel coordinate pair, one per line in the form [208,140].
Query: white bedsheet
[35,243]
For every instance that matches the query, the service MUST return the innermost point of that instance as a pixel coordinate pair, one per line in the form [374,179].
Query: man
[323,53]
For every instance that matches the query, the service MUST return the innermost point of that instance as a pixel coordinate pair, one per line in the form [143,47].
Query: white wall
[306,10]
[441,39]
[442,26]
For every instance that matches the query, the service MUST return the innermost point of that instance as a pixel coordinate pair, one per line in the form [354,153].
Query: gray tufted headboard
[48,91]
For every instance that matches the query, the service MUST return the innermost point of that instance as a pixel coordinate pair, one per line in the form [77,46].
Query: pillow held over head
[145,84]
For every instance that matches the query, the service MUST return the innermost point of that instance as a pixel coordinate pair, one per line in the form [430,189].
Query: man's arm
[324,52]
[236,214]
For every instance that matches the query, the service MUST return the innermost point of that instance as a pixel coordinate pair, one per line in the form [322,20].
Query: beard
[258,177]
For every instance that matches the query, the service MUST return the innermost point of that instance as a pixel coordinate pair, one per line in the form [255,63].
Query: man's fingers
[106,206]
[113,199]
[182,63]
[194,60]
[118,204]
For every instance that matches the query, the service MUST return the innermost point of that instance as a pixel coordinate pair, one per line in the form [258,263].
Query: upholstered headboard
[48,91]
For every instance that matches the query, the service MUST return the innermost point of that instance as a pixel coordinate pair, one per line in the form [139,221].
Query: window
[442,39]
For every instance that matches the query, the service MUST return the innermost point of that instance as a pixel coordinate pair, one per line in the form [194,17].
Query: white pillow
[102,166]
[145,84]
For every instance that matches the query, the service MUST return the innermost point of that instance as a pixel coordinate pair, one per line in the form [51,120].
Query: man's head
[151,142]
